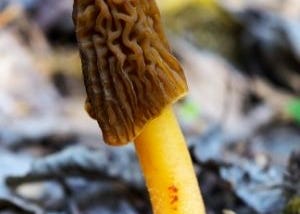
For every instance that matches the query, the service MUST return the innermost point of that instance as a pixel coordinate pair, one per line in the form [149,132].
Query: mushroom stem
[168,168]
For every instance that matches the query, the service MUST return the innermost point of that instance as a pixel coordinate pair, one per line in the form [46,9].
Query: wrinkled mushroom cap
[129,72]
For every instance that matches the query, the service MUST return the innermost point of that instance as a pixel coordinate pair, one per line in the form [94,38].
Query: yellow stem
[168,168]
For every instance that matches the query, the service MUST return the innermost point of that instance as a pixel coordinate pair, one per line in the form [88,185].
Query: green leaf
[293,109]
[189,111]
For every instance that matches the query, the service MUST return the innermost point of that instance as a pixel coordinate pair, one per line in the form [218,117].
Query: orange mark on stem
[173,190]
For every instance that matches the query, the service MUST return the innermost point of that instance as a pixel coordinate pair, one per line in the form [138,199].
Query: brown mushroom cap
[129,72]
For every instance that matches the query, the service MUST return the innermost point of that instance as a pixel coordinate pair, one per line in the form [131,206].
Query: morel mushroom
[132,79]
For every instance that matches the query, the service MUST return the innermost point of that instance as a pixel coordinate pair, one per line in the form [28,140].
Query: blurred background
[241,117]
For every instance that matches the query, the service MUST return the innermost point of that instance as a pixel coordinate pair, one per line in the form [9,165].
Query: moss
[293,207]
[207,25]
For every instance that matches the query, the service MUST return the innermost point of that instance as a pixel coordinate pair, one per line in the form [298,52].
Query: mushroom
[132,80]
